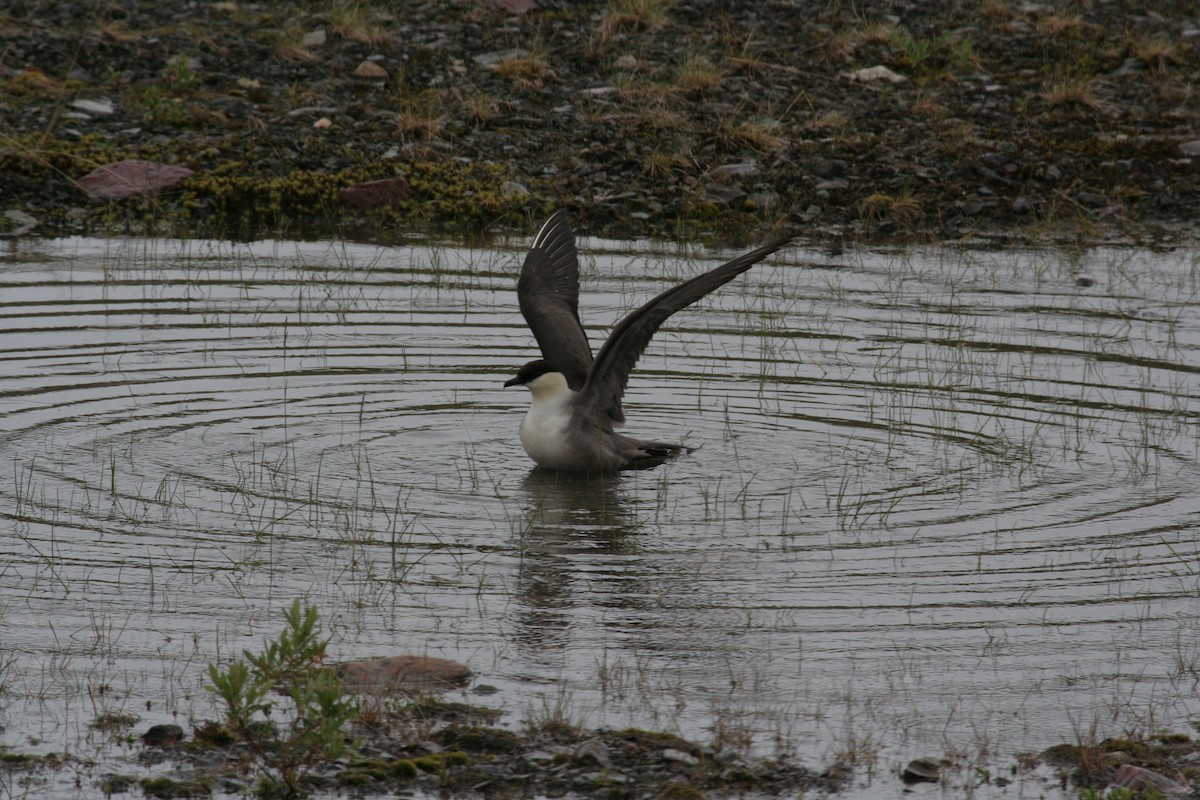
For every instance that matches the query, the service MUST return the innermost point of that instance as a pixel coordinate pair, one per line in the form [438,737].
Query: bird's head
[530,373]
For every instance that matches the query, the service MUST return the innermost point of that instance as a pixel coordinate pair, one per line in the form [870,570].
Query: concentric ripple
[943,498]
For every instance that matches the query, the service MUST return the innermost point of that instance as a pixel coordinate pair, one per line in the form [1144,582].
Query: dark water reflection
[945,499]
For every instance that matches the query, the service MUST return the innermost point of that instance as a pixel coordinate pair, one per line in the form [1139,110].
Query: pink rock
[371,71]
[374,194]
[403,673]
[515,6]
[128,178]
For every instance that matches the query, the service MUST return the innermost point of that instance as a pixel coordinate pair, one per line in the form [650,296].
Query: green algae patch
[441,761]
[480,740]
[166,788]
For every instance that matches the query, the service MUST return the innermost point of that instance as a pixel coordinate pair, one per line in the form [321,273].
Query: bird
[576,400]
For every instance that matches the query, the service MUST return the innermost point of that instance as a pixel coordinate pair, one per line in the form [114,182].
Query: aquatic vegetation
[319,709]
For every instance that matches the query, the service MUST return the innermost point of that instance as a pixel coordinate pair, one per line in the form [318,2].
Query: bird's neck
[550,389]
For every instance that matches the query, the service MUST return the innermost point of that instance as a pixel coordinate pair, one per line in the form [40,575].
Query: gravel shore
[644,117]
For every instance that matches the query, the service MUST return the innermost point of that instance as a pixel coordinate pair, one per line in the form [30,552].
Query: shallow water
[945,499]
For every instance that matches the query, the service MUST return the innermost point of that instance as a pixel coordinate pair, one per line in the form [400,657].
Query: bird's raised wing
[548,293]
[610,371]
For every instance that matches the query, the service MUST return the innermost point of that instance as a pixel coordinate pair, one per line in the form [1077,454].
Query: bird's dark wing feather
[548,293]
[610,371]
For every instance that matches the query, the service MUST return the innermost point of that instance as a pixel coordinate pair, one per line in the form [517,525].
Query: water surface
[944,502]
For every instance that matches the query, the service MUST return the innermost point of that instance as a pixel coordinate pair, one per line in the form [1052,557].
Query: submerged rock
[1140,779]
[921,770]
[403,673]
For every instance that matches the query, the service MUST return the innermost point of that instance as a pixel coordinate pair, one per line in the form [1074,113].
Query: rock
[730,172]
[492,60]
[1092,199]
[679,757]
[512,190]
[1139,779]
[1021,204]
[369,70]
[17,223]
[403,673]
[827,168]
[876,73]
[313,38]
[515,7]
[723,195]
[133,177]
[163,736]
[376,194]
[921,770]
[323,123]
[837,184]
[763,200]
[95,108]
[1191,148]
[593,751]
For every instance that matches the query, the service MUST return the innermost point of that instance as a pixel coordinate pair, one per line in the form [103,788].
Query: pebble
[594,751]
[837,184]
[876,73]
[492,60]
[1191,148]
[510,189]
[680,757]
[20,222]
[727,172]
[96,108]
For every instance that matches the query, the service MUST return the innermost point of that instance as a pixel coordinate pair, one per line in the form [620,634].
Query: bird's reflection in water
[574,524]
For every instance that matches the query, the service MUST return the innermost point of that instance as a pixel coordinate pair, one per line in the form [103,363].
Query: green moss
[215,734]
[168,788]
[403,768]
[674,790]
[19,760]
[439,761]
[480,740]
[1061,754]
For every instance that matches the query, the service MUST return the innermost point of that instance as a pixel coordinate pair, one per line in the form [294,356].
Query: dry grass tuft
[1058,24]
[1156,52]
[289,43]
[760,135]
[697,74]
[905,209]
[995,10]
[633,16]
[1078,92]
[357,22]
[33,81]
[527,72]
[478,108]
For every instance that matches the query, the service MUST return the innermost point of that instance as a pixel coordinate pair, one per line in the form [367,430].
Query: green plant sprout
[294,664]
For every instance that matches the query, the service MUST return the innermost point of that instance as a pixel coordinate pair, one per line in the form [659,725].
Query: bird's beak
[512,382]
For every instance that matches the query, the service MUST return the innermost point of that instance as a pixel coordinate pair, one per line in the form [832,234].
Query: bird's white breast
[544,428]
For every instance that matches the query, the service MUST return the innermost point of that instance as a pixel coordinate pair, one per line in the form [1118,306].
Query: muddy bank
[644,118]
